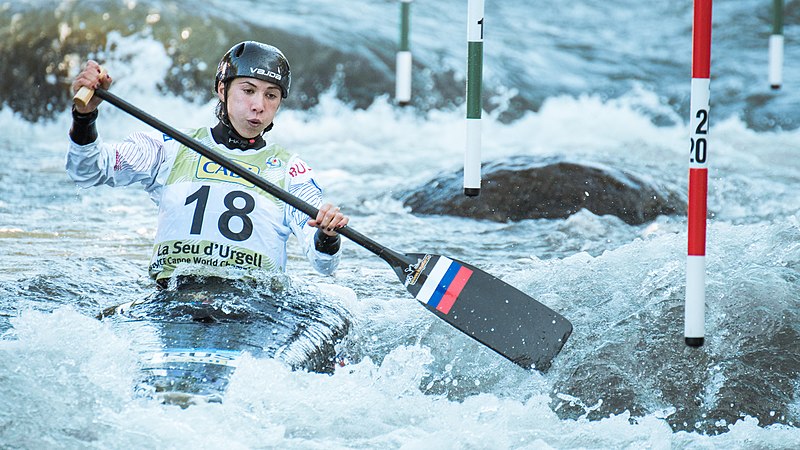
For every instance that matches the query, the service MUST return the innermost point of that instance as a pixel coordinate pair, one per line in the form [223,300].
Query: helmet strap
[228,136]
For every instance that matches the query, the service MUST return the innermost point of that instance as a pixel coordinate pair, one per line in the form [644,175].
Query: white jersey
[209,219]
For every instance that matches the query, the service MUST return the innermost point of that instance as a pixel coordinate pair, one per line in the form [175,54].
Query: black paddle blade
[487,309]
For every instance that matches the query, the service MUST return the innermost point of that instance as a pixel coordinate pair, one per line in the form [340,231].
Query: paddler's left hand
[329,219]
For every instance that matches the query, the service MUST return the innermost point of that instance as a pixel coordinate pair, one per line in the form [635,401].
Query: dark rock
[524,187]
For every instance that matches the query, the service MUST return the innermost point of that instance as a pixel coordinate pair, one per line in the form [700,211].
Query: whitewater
[587,83]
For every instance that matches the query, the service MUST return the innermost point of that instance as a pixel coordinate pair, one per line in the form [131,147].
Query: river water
[596,81]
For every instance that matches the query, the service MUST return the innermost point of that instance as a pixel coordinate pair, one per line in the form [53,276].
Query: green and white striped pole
[472,155]
[776,46]
[402,92]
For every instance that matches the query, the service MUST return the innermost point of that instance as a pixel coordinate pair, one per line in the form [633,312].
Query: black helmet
[255,60]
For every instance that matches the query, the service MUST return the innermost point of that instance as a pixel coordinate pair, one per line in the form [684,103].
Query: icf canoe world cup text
[212,254]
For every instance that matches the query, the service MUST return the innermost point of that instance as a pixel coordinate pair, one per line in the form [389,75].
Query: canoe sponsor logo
[197,356]
[209,170]
[444,284]
[414,270]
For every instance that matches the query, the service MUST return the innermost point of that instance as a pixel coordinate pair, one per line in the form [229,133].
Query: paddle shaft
[384,253]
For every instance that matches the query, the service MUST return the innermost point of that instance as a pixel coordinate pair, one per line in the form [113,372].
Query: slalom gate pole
[694,331]
[402,91]
[776,46]
[472,154]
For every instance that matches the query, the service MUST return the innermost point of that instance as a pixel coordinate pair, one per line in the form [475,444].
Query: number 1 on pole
[472,155]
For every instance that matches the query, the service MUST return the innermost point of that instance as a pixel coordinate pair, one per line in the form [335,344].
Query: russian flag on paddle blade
[443,284]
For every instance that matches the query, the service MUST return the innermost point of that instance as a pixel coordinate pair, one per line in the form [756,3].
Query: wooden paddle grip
[85,94]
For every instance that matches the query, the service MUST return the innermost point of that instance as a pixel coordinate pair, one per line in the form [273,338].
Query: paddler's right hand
[91,78]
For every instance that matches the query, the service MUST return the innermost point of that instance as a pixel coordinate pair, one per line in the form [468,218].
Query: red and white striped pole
[694,330]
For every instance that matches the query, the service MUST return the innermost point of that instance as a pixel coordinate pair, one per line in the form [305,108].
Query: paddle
[475,302]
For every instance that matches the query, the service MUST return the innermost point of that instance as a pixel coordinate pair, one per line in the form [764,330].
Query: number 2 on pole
[201,197]
[702,114]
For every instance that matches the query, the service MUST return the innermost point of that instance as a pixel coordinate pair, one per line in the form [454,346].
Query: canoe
[191,337]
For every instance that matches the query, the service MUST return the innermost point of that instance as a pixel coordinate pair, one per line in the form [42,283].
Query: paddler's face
[252,104]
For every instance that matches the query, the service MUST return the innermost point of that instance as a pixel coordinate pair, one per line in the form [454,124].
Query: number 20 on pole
[698,151]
